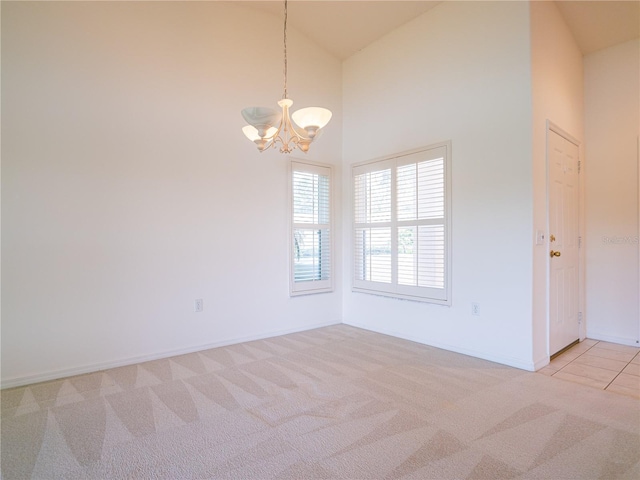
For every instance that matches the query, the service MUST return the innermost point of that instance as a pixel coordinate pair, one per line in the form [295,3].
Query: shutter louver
[421,203]
[373,244]
[373,197]
[431,260]
[373,254]
[400,234]
[311,242]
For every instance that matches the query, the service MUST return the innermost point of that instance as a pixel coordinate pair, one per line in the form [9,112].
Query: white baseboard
[96,367]
[509,361]
[543,362]
[632,342]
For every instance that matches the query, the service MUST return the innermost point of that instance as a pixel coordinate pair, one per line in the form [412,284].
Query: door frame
[552,127]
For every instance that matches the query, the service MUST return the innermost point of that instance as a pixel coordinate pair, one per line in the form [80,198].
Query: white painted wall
[558,92]
[461,72]
[123,162]
[128,189]
[612,122]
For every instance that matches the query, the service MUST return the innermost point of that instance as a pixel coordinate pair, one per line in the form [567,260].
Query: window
[311,243]
[401,225]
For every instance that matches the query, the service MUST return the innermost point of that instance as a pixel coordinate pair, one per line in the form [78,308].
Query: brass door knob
[554,254]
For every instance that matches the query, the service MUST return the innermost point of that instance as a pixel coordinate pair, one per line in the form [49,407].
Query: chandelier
[269,127]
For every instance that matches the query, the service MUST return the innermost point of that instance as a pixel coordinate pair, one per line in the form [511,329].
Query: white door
[562,156]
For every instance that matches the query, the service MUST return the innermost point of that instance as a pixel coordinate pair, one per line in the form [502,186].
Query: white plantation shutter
[373,197]
[373,261]
[401,225]
[421,224]
[311,241]
[373,226]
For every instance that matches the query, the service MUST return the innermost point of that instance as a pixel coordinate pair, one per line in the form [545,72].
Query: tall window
[401,225]
[311,244]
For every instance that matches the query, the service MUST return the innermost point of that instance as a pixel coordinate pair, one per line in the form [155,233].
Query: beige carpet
[337,402]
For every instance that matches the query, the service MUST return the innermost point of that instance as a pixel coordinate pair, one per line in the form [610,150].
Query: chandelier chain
[268,128]
[285,50]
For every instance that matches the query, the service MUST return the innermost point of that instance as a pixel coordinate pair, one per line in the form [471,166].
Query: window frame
[314,286]
[394,289]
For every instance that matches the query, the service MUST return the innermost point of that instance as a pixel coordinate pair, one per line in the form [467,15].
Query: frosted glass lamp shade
[311,117]
[267,126]
[262,118]
[251,132]
[303,145]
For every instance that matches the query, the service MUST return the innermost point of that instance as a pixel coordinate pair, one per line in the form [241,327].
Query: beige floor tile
[571,354]
[547,371]
[558,363]
[624,390]
[627,381]
[595,373]
[598,351]
[566,357]
[618,348]
[580,348]
[578,379]
[632,369]
[599,365]
[601,362]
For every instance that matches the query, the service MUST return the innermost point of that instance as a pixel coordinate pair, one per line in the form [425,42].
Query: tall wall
[612,122]
[129,190]
[558,92]
[460,72]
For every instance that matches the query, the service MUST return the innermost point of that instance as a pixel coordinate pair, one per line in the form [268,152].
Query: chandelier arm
[296,132]
[294,135]
[280,136]
[289,135]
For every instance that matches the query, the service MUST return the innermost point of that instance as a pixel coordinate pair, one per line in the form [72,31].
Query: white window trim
[394,290]
[319,286]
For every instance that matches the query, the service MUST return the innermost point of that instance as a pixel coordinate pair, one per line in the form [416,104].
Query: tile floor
[604,365]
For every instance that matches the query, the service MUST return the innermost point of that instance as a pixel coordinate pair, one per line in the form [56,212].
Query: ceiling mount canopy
[269,127]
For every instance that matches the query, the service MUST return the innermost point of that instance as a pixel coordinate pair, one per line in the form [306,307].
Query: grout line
[574,359]
[590,378]
[614,378]
[628,363]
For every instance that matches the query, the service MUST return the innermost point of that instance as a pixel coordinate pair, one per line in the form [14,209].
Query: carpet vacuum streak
[332,403]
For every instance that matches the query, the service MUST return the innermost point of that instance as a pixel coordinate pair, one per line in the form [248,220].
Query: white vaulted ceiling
[345,27]
[601,24]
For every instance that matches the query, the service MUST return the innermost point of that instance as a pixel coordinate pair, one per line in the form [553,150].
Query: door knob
[554,254]
[552,238]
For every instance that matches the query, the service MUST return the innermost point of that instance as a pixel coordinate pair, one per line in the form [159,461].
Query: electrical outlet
[198,305]
[475,309]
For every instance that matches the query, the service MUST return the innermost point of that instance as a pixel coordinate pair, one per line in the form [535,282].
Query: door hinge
[579,165]
[579,318]
[579,242]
